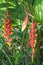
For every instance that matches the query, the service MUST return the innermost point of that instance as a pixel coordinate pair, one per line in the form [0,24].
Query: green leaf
[1,46]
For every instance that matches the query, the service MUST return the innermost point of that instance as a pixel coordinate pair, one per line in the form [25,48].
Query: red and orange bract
[7,31]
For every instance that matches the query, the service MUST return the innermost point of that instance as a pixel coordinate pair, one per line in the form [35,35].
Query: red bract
[7,31]
[6,35]
[8,39]
[32,33]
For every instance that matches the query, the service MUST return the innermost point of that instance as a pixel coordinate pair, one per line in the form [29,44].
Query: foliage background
[19,53]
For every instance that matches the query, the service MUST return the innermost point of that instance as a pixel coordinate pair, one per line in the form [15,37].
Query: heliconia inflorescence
[7,27]
[33,35]
[25,21]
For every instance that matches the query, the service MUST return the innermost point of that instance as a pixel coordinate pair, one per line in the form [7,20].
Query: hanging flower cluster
[33,35]
[7,31]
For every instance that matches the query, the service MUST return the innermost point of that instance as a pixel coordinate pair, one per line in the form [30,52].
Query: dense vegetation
[21,32]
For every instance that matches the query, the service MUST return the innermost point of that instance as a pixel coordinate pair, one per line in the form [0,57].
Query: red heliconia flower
[32,38]
[7,31]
